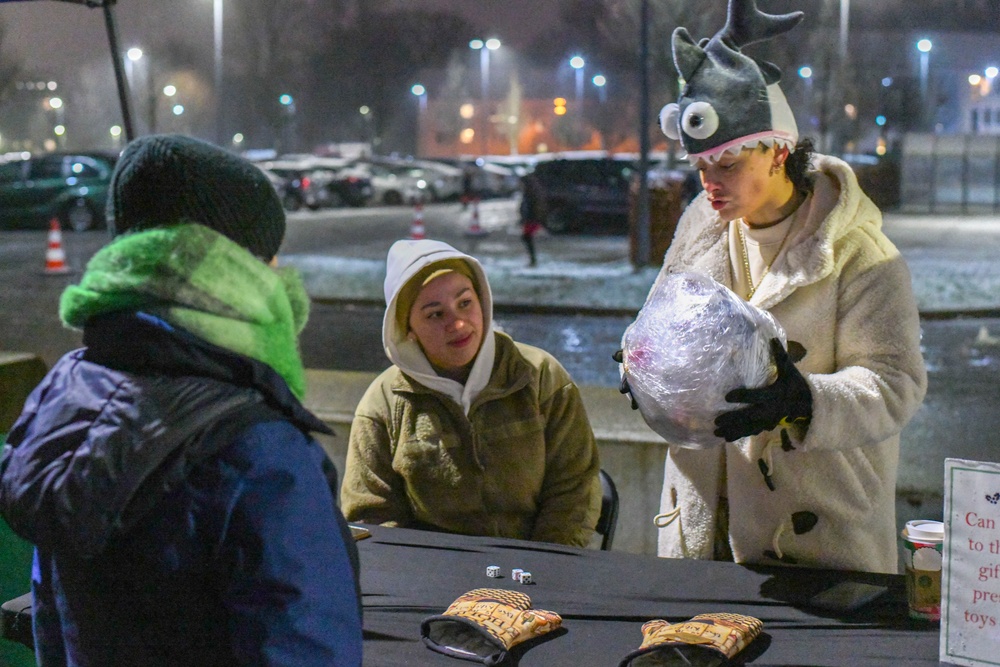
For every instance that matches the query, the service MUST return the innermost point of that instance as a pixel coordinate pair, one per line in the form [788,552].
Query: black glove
[624,388]
[785,401]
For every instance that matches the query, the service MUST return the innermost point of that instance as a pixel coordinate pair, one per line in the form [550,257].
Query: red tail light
[305,182]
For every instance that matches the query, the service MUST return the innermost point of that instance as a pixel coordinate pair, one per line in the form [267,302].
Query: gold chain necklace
[746,257]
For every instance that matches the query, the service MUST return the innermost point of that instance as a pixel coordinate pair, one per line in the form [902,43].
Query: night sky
[51,37]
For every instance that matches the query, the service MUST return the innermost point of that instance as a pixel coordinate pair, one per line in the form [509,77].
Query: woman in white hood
[467,432]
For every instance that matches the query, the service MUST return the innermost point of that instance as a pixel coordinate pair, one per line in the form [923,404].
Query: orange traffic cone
[417,231]
[474,228]
[55,258]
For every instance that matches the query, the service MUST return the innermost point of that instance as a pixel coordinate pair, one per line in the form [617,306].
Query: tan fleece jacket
[514,458]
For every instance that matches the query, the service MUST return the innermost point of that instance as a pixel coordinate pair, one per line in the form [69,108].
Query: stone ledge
[630,451]
[333,395]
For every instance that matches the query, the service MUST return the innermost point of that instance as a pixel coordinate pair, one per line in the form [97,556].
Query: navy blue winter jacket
[179,509]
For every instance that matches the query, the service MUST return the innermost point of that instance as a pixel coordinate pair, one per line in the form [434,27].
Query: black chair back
[609,511]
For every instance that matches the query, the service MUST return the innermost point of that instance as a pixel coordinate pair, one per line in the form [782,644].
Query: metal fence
[950,173]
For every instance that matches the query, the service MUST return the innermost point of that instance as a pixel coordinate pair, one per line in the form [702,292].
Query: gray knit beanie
[168,179]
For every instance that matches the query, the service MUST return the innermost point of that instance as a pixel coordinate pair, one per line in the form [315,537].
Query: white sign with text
[970,583]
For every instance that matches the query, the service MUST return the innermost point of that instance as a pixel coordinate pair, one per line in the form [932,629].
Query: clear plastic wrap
[693,342]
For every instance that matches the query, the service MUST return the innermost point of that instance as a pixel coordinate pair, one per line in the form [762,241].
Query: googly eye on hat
[730,101]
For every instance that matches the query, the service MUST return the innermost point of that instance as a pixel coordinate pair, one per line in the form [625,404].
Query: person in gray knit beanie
[167,473]
[166,179]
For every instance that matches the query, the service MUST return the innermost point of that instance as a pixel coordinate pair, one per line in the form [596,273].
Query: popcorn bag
[693,341]
[707,640]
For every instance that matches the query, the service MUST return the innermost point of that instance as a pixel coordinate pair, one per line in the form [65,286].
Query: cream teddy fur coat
[843,291]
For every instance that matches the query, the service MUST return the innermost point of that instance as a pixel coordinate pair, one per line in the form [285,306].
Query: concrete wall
[633,454]
[19,373]
[630,452]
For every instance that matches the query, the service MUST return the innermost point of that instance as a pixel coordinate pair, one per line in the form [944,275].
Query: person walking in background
[532,212]
[469,193]
[165,471]
[809,474]
[467,432]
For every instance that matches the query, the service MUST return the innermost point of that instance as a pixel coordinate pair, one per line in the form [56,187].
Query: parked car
[487,179]
[317,188]
[443,181]
[279,183]
[500,180]
[70,187]
[349,187]
[586,194]
[393,185]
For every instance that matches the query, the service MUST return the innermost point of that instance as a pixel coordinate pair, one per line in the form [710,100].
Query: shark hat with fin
[729,101]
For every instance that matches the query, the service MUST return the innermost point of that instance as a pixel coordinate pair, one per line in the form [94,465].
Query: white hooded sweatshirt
[407,258]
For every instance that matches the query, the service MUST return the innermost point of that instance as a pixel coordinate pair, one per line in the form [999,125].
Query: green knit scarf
[198,280]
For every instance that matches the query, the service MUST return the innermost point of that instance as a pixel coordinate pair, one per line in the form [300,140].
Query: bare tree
[276,40]
[10,68]
[607,34]
[371,58]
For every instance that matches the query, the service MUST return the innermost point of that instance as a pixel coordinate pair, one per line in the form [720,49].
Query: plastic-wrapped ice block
[694,341]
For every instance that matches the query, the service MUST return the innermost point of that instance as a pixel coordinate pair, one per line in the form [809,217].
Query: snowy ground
[955,264]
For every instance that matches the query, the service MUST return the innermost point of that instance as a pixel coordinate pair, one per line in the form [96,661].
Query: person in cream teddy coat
[807,474]
[842,290]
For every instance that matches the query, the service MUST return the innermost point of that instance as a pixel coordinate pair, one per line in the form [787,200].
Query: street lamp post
[56,104]
[116,135]
[806,74]
[643,230]
[484,48]
[366,114]
[133,57]
[169,92]
[924,46]
[178,111]
[421,94]
[288,102]
[217,43]
[601,82]
[577,63]
[845,12]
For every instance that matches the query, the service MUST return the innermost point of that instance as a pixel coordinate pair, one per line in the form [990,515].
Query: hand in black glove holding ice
[786,401]
[624,388]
